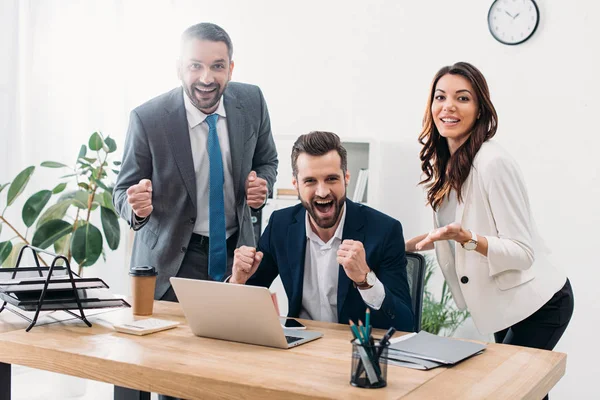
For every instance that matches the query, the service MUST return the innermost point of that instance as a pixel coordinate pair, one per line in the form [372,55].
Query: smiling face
[321,185]
[454,109]
[204,70]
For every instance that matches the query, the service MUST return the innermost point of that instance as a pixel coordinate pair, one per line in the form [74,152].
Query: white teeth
[323,202]
[449,120]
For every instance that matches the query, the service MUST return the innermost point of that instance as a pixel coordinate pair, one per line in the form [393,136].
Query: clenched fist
[256,190]
[245,263]
[351,256]
[139,198]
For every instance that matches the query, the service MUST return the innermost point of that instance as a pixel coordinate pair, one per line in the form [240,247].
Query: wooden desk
[177,363]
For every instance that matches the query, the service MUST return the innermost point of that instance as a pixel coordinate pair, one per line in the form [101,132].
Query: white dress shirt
[198,139]
[321,269]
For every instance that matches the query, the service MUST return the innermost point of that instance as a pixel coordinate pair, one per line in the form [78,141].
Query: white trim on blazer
[516,278]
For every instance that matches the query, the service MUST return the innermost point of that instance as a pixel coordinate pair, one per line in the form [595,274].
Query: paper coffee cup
[143,282]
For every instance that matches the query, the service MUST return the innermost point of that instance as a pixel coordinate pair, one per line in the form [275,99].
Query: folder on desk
[427,351]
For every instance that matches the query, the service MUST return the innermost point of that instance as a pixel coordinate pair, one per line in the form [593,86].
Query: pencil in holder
[369,366]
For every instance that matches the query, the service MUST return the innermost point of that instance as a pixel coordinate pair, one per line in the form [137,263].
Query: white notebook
[145,326]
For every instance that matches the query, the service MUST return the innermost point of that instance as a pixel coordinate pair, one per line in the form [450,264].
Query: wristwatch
[470,244]
[370,280]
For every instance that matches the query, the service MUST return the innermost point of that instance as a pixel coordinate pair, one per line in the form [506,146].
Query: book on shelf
[287,194]
[361,185]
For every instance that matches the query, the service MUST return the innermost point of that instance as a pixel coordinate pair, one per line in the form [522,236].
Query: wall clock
[512,22]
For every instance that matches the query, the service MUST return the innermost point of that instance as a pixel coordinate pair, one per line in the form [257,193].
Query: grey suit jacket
[158,148]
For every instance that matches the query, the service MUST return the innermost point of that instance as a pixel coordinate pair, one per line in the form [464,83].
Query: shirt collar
[311,235]
[196,117]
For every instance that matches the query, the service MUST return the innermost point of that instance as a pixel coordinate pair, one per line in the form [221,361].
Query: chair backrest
[415,271]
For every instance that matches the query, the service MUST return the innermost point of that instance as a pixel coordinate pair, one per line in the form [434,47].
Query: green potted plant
[440,315]
[65,224]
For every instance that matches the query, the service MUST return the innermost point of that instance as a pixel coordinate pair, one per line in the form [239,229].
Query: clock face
[513,21]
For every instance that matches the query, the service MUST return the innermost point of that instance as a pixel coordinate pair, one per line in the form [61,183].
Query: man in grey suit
[166,185]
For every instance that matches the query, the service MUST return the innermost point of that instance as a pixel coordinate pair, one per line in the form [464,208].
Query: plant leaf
[117,163]
[107,200]
[59,188]
[111,144]
[80,199]
[82,151]
[86,245]
[110,225]
[101,184]
[53,164]
[34,206]
[18,185]
[69,175]
[89,160]
[61,246]
[55,211]
[95,142]
[11,261]
[50,232]
[5,249]
[3,186]
[83,185]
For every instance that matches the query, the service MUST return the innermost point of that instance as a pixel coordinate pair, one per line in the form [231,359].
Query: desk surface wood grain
[177,363]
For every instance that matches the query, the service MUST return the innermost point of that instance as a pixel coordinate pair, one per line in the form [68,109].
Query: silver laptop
[237,313]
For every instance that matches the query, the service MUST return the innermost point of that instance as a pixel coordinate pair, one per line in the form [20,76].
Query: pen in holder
[369,366]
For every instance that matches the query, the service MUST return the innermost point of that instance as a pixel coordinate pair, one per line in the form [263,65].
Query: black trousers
[543,328]
[195,262]
[195,266]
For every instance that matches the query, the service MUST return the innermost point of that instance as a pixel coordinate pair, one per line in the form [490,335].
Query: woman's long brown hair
[442,171]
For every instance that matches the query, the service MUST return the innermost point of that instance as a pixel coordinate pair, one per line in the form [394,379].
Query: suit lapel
[178,135]
[353,229]
[237,137]
[296,241]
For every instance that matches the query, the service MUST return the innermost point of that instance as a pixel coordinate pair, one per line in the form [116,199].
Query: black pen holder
[369,366]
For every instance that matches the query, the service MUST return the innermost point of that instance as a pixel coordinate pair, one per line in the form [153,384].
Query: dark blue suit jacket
[284,243]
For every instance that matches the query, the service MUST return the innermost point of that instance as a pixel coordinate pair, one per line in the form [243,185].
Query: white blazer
[516,278]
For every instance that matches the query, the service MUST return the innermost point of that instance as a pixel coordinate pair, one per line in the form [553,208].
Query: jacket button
[192,221]
[183,249]
[464,279]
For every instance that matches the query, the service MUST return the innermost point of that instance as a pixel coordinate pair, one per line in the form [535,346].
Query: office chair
[415,271]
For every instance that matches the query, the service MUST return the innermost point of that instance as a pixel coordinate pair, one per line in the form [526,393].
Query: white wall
[361,69]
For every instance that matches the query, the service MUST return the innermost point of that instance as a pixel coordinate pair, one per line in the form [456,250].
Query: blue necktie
[217,245]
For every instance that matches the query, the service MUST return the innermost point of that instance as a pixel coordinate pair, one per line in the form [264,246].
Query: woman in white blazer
[484,237]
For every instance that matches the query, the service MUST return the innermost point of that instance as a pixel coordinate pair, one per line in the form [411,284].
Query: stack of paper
[427,351]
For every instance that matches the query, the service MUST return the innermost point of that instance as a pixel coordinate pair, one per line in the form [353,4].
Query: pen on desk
[368,322]
[355,332]
[385,340]
[363,332]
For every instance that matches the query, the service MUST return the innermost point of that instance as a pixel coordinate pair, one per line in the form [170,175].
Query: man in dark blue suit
[335,257]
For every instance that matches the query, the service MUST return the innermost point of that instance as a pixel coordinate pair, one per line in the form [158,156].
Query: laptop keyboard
[292,339]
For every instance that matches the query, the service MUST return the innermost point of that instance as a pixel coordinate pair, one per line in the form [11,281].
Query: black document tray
[52,288]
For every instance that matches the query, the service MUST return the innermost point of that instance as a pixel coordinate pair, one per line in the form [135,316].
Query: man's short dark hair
[318,143]
[208,31]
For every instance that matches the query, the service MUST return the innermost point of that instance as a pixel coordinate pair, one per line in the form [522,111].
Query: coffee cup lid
[143,270]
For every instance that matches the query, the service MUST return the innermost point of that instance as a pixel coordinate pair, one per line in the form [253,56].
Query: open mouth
[450,121]
[323,206]
[205,92]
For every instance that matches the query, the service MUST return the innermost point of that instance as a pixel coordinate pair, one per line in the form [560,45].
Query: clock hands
[512,16]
